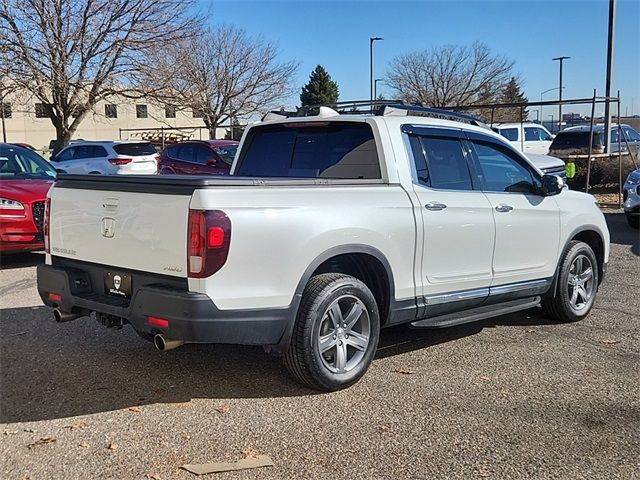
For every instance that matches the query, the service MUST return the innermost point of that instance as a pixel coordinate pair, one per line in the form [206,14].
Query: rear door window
[510,134]
[340,150]
[203,154]
[134,149]
[98,152]
[186,152]
[440,163]
[531,134]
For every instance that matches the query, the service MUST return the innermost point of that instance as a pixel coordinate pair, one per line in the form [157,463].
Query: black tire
[633,221]
[303,358]
[559,307]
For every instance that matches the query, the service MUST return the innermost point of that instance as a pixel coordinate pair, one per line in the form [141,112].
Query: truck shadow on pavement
[621,233]
[54,370]
[20,260]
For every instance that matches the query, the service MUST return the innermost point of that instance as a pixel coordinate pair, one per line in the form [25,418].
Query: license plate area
[117,284]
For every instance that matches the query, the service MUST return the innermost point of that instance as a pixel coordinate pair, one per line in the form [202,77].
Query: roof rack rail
[378,108]
[420,111]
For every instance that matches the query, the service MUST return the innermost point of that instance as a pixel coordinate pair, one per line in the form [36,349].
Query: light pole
[561,60]
[371,86]
[375,87]
[541,94]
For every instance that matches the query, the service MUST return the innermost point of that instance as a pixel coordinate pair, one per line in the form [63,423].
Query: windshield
[17,162]
[227,152]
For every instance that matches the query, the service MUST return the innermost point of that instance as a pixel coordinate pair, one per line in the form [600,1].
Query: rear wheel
[336,333]
[577,284]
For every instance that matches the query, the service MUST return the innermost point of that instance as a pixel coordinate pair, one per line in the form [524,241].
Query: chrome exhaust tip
[60,316]
[163,344]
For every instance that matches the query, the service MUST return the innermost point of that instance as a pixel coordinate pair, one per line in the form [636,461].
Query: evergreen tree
[511,93]
[320,90]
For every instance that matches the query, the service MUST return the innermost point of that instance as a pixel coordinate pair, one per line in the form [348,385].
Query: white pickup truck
[330,228]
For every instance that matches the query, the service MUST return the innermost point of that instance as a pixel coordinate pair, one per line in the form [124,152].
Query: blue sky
[336,34]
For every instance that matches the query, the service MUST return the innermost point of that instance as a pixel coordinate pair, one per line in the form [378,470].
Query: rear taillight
[47,215]
[209,238]
[120,161]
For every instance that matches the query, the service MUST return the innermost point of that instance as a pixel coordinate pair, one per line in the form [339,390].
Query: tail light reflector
[56,297]
[120,161]
[209,238]
[47,215]
[158,322]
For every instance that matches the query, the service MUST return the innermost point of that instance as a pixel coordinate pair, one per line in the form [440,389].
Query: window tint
[141,111]
[83,151]
[531,134]
[318,150]
[544,135]
[6,109]
[576,139]
[509,133]
[98,152]
[65,155]
[110,111]
[135,149]
[172,151]
[43,110]
[632,135]
[185,152]
[615,136]
[501,171]
[227,152]
[18,162]
[203,154]
[440,163]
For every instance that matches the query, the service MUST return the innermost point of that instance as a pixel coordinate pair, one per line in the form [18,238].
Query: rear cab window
[337,150]
[510,134]
[135,149]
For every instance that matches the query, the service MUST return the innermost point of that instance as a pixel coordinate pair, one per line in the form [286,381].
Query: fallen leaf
[135,409]
[530,331]
[10,432]
[29,430]
[76,426]
[42,441]
[486,379]
[611,342]
[152,476]
[222,409]
[383,428]
[404,371]
[113,446]
[249,452]
[245,463]
[83,445]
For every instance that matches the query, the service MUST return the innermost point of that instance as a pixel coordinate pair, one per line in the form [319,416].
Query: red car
[25,178]
[205,157]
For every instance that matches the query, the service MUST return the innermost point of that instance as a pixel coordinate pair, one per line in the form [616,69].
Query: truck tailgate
[134,230]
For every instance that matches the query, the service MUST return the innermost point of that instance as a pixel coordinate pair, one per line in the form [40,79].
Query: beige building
[26,121]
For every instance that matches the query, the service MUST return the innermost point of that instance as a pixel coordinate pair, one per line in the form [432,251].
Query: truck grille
[37,210]
[559,171]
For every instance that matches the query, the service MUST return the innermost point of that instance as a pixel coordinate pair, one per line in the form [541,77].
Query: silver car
[631,197]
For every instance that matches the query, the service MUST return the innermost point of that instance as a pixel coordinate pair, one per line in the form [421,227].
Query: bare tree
[221,74]
[70,54]
[449,75]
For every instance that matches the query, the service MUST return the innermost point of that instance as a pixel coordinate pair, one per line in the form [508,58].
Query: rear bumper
[192,317]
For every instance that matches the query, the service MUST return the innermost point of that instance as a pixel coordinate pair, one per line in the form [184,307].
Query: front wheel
[633,221]
[577,284]
[336,333]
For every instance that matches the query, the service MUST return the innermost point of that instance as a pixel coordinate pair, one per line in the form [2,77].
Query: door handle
[435,206]
[503,207]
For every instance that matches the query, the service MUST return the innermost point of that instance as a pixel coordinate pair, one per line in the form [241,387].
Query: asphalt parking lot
[512,397]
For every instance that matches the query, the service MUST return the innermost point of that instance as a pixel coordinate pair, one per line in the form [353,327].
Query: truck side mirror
[551,185]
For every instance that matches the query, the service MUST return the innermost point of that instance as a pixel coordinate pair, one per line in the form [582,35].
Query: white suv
[526,137]
[107,158]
